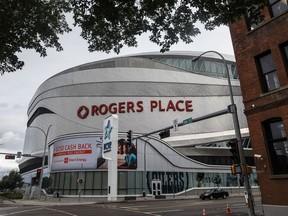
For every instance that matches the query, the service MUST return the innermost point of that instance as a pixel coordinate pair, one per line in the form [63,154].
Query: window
[254,17]
[277,145]
[268,72]
[284,52]
[277,7]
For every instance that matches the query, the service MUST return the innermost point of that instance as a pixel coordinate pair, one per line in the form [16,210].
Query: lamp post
[44,154]
[233,110]
[145,169]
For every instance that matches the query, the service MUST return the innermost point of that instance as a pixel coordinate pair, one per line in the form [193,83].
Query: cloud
[19,106]
[4,105]
[10,142]
[13,121]
[7,166]
[10,136]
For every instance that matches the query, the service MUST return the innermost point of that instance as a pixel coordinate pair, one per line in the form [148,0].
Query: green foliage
[29,24]
[12,195]
[47,182]
[11,181]
[217,180]
[199,178]
[111,24]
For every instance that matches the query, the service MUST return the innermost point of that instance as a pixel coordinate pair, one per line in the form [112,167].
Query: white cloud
[10,142]
[9,136]
[4,105]
[6,166]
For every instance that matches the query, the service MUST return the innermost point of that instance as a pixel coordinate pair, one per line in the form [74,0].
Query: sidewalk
[83,200]
[76,200]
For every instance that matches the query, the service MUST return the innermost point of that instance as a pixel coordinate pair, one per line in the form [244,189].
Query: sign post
[175,125]
[109,152]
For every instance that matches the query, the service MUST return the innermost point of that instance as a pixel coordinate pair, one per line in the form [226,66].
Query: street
[150,207]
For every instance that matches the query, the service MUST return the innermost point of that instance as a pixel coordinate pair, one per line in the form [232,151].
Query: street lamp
[44,154]
[145,169]
[233,110]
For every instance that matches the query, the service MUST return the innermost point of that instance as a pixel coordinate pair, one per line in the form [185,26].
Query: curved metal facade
[145,91]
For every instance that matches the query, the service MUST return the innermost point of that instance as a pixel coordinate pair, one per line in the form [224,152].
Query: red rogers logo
[83,112]
[134,107]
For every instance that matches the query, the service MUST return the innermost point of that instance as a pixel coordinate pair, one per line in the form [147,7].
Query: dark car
[214,194]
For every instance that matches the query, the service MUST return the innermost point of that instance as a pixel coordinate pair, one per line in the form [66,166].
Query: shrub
[12,195]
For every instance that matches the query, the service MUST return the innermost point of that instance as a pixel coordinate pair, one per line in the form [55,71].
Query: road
[171,207]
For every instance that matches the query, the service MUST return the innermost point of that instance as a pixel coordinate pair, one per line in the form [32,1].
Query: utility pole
[233,110]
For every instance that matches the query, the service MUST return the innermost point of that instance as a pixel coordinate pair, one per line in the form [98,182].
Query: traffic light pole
[44,155]
[230,109]
[237,134]
[189,121]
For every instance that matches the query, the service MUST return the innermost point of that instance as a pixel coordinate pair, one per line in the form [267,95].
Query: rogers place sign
[134,107]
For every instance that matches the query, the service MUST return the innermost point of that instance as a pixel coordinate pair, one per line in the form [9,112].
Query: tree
[199,178]
[111,24]
[47,182]
[32,24]
[217,180]
[11,181]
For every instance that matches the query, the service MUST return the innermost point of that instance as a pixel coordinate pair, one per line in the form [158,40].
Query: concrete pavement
[72,200]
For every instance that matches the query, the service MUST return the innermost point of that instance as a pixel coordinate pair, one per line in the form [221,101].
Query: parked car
[214,194]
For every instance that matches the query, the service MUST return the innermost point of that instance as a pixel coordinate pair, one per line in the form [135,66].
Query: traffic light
[234,150]
[10,157]
[236,169]
[249,169]
[129,137]
[38,175]
[164,134]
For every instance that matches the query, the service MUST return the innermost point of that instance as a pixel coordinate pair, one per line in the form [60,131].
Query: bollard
[228,210]
[203,212]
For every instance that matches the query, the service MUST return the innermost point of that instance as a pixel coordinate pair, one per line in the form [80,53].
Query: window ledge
[282,88]
[281,176]
[264,23]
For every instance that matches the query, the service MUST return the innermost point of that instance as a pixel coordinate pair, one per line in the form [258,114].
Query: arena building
[148,92]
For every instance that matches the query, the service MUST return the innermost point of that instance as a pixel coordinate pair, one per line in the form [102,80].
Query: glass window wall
[132,182]
[204,67]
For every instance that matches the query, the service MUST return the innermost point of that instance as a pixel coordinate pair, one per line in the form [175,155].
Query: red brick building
[261,53]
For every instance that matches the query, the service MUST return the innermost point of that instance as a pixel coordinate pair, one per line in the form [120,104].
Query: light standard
[44,154]
[145,169]
[233,110]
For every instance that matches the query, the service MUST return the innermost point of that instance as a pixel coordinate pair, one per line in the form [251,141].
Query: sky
[18,88]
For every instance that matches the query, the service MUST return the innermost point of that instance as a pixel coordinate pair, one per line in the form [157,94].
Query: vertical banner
[109,152]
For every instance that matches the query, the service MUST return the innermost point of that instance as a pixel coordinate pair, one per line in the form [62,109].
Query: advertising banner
[77,153]
[73,154]
[127,154]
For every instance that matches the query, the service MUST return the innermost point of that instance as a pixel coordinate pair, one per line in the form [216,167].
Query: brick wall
[260,106]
